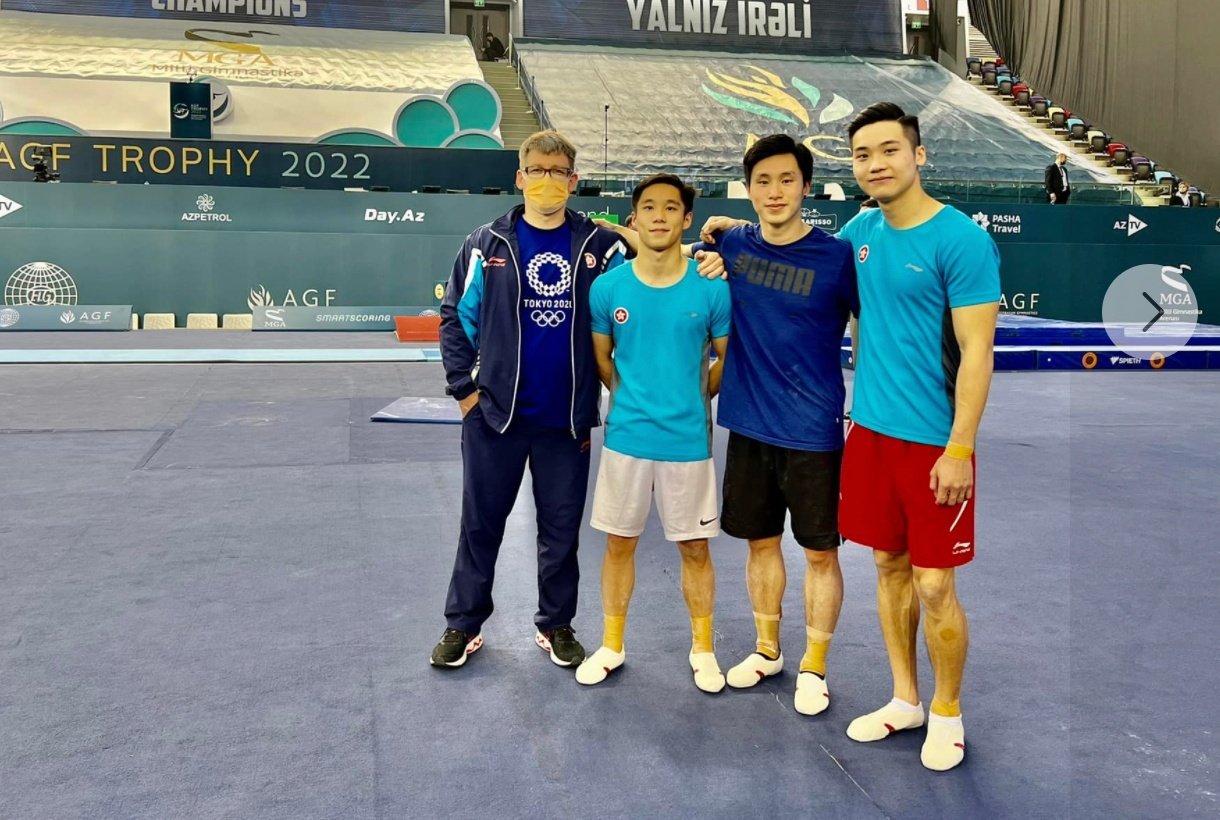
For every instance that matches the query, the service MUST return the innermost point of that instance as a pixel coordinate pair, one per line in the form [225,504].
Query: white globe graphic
[40,283]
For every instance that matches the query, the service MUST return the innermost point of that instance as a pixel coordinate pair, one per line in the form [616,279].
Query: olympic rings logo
[548,318]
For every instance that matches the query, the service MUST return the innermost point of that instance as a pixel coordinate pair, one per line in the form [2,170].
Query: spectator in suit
[1058,190]
[1181,199]
[493,48]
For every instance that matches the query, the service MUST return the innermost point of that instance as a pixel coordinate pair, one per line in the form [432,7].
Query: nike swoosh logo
[703,523]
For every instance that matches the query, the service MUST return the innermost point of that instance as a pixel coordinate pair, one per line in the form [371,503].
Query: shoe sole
[545,646]
[471,648]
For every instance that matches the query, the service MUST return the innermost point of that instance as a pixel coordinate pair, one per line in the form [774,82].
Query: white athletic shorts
[685,493]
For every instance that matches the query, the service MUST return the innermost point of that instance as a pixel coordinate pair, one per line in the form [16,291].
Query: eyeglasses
[536,172]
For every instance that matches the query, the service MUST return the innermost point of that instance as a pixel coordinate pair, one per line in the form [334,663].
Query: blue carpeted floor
[221,584]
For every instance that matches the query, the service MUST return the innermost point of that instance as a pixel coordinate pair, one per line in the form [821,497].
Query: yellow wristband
[958,451]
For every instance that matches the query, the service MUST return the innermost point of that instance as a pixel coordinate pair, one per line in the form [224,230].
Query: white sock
[945,745]
[895,716]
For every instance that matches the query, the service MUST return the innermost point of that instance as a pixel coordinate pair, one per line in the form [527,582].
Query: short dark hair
[776,145]
[687,192]
[887,112]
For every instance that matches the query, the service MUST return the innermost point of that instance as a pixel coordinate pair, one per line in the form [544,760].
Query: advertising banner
[389,15]
[798,26]
[63,317]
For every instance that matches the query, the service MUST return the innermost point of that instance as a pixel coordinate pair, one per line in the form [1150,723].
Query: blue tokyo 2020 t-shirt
[659,405]
[910,280]
[544,393]
[783,377]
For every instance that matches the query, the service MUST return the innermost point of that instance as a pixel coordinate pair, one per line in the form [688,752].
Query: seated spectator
[493,49]
[1181,199]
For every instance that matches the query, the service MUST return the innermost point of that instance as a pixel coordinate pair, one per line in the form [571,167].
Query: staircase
[977,45]
[518,120]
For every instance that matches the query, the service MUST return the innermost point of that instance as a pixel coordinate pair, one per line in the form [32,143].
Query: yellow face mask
[546,194]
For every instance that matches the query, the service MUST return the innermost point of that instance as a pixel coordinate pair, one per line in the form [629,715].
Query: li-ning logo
[961,547]
[496,262]
[863,255]
[205,204]
[8,206]
[621,315]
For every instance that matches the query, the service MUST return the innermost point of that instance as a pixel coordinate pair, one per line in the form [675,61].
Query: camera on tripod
[41,172]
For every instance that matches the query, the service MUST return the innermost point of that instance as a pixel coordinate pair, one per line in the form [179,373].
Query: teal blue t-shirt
[909,280]
[659,404]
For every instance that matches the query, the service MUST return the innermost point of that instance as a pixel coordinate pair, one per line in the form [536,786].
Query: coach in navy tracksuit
[518,352]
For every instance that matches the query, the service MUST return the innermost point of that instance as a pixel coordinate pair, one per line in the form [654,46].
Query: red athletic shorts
[885,503]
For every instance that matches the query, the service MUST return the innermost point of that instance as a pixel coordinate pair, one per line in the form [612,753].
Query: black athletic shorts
[762,482]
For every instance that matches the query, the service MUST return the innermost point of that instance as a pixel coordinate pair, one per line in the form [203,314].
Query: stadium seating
[717,102]
[1142,169]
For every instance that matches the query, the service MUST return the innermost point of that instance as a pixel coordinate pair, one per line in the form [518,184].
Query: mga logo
[621,315]
[863,256]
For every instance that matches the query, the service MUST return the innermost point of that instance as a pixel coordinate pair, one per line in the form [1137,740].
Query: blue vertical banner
[190,111]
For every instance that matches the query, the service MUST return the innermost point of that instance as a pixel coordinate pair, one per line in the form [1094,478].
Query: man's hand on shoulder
[711,265]
[715,224]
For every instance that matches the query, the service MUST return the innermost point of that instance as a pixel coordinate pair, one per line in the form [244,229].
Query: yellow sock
[615,625]
[946,710]
[768,635]
[701,634]
[817,644]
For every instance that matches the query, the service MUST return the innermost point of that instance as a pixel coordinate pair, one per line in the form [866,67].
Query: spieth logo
[8,206]
[1121,360]
[9,317]
[1132,225]
[814,217]
[621,315]
[205,204]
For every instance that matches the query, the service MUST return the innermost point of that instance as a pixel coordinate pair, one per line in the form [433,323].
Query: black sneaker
[454,647]
[561,644]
